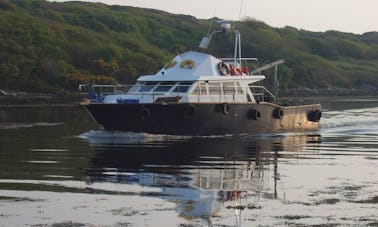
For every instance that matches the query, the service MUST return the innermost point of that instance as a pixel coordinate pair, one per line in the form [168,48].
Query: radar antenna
[224,27]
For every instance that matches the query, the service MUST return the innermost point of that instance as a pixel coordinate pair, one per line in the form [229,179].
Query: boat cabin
[192,77]
[198,77]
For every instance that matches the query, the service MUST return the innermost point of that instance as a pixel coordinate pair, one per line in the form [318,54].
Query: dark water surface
[57,168]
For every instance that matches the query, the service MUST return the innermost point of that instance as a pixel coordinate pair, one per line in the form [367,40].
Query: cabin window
[239,90]
[215,88]
[200,89]
[135,88]
[228,88]
[183,86]
[196,90]
[165,86]
[148,86]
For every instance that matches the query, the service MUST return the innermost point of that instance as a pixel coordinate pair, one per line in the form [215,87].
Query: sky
[355,16]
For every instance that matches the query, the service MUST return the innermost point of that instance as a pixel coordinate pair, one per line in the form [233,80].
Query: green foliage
[50,46]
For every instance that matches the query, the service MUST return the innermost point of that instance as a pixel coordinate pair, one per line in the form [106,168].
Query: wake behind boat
[199,94]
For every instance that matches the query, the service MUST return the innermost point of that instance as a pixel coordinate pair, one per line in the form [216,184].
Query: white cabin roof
[194,66]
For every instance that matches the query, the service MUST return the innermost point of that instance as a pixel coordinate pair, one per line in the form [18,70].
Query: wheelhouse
[201,91]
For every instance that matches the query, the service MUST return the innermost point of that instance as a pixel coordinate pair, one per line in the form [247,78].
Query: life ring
[144,113]
[314,115]
[238,71]
[232,70]
[235,71]
[189,111]
[224,68]
[225,108]
[278,113]
[245,70]
[254,114]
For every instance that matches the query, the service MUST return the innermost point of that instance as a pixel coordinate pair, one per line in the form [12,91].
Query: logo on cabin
[187,64]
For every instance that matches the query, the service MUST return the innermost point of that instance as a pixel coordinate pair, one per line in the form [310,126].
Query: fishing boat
[199,94]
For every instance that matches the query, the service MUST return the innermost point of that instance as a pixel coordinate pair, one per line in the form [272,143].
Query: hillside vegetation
[50,46]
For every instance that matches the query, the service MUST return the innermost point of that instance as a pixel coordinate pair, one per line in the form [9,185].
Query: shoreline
[71,100]
[41,99]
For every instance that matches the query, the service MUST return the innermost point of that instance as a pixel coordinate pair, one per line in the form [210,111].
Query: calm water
[58,169]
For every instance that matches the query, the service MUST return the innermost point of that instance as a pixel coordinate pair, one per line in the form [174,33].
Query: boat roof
[196,66]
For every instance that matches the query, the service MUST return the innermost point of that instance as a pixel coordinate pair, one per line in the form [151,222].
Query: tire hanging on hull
[225,108]
[189,111]
[278,113]
[314,115]
[254,114]
[144,113]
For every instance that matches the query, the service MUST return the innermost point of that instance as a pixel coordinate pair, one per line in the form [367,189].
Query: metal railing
[199,94]
[104,89]
[262,94]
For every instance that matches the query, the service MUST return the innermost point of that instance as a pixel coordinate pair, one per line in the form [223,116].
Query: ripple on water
[359,121]
[27,125]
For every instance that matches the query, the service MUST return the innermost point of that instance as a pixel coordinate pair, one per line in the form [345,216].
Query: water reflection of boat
[202,175]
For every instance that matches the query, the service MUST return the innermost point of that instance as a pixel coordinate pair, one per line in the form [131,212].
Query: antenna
[240,12]
[211,22]
[224,25]
[206,40]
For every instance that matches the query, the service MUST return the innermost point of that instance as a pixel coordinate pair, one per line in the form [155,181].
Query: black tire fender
[278,113]
[189,111]
[254,114]
[144,113]
[225,108]
[314,115]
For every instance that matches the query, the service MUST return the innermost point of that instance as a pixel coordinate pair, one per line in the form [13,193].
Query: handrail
[221,93]
[265,90]
[267,66]
[240,59]
[102,88]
